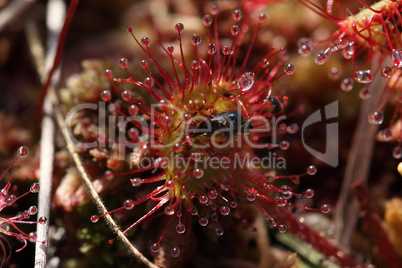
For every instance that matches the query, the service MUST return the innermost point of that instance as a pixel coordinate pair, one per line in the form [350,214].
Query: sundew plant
[199,133]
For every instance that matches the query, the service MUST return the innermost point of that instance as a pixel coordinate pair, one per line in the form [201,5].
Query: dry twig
[357,168]
[38,52]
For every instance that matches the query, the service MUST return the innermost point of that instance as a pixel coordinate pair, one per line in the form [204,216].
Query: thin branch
[58,53]
[358,166]
[38,52]
[56,13]
[87,180]
[56,10]
[46,175]
[12,11]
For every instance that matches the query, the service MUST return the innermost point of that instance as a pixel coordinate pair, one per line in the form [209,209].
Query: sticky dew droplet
[364,93]
[235,30]
[126,95]
[237,15]
[386,72]
[34,188]
[262,18]
[281,201]
[292,128]
[144,64]
[23,151]
[155,247]
[94,218]
[213,194]
[198,173]
[135,182]
[32,237]
[108,74]
[196,40]
[175,252]
[211,48]
[363,76]
[219,231]
[386,134]
[195,65]
[305,46]
[397,57]
[105,95]
[311,170]
[123,63]
[289,69]
[148,81]
[325,208]
[225,210]
[133,110]
[347,84]
[342,43]
[146,41]
[282,228]
[203,199]
[179,27]
[334,73]
[42,220]
[246,81]
[309,193]
[250,197]
[32,210]
[203,221]
[214,9]
[284,145]
[109,175]
[225,50]
[180,228]
[376,118]
[397,152]
[207,20]
[169,210]
[349,51]
[320,58]
[128,204]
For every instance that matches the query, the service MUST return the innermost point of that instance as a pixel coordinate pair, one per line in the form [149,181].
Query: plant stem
[358,166]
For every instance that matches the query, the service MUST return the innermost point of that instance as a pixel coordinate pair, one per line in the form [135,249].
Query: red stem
[374,227]
[309,235]
[59,52]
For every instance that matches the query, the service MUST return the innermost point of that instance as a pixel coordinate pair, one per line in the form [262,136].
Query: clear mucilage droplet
[289,69]
[207,20]
[311,170]
[397,152]
[397,57]
[175,252]
[349,51]
[246,81]
[203,221]
[376,117]
[386,134]
[347,84]
[363,76]
[196,40]
[386,72]
[364,93]
[305,46]
[320,58]
[23,151]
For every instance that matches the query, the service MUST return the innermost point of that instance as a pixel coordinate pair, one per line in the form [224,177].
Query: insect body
[227,124]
